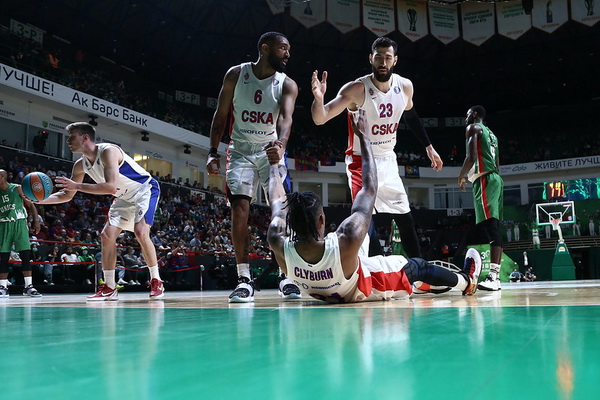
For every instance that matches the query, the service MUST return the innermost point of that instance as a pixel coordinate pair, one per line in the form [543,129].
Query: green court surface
[301,353]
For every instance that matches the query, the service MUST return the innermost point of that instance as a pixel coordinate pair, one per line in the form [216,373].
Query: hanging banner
[344,15]
[478,22]
[276,6]
[310,13]
[412,18]
[443,20]
[549,15]
[378,16]
[512,20]
[583,11]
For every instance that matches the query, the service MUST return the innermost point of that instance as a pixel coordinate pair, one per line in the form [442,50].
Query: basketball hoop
[555,223]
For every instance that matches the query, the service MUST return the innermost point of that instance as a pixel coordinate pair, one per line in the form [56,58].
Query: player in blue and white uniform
[260,99]
[136,197]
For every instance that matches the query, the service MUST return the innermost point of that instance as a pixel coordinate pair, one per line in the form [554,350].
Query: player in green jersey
[481,167]
[14,230]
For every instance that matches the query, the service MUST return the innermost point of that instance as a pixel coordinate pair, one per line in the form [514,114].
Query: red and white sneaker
[472,269]
[104,293]
[157,290]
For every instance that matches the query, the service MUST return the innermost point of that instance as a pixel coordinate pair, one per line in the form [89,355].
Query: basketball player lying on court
[330,268]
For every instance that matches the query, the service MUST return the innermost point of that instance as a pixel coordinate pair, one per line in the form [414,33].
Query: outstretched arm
[349,96]
[276,234]
[65,195]
[352,230]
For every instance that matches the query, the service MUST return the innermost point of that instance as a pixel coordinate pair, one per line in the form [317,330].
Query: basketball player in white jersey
[136,197]
[332,267]
[384,97]
[261,99]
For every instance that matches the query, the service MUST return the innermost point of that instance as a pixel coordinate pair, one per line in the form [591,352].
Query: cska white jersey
[383,112]
[256,104]
[132,177]
[376,278]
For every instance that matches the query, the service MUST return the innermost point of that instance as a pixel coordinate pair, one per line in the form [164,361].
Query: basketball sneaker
[244,291]
[3,292]
[491,282]
[287,288]
[471,269]
[31,291]
[104,293]
[157,289]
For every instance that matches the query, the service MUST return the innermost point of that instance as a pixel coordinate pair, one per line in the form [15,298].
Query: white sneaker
[244,291]
[490,283]
[471,269]
[122,281]
[31,291]
[3,292]
[288,289]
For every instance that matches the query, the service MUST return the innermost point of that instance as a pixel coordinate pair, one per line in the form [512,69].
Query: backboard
[545,211]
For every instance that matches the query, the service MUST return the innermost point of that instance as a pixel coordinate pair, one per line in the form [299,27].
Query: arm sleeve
[416,127]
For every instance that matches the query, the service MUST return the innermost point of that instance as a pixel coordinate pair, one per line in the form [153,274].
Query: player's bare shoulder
[233,73]
[354,92]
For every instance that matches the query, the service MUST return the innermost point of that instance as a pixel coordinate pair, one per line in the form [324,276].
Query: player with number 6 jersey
[260,99]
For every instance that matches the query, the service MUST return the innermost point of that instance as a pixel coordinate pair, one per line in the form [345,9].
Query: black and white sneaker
[3,292]
[31,291]
[244,291]
[288,289]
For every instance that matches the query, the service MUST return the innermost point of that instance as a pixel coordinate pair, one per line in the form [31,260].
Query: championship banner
[548,15]
[583,11]
[443,20]
[344,15]
[378,16]
[310,13]
[512,20]
[276,6]
[412,18]
[478,22]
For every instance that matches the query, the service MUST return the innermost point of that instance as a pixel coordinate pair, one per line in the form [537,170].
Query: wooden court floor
[529,341]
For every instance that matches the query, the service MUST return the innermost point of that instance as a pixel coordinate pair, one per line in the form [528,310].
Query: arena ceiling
[189,44]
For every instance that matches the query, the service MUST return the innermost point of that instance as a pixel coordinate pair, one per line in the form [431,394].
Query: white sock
[494,270]
[109,278]
[28,280]
[154,272]
[462,282]
[4,282]
[243,269]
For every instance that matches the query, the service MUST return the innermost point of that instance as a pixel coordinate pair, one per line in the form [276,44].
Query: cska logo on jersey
[246,76]
[371,92]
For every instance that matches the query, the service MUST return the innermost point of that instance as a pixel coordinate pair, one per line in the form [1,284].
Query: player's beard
[382,77]
[276,63]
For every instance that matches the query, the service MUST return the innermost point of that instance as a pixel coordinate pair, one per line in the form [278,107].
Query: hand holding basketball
[37,186]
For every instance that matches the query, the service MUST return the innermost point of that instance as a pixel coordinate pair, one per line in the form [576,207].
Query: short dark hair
[384,42]
[83,128]
[479,110]
[303,210]
[268,38]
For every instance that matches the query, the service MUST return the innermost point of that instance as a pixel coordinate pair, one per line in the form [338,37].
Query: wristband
[213,151]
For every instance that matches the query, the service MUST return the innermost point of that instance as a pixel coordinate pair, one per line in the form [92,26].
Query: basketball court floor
[529,341]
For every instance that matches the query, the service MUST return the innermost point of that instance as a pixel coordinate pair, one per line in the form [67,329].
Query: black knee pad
[4,257]
[492,227]
[25,260]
